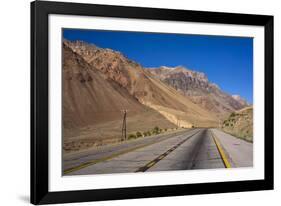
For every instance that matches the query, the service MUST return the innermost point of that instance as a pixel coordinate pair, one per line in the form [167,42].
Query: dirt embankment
[240,124]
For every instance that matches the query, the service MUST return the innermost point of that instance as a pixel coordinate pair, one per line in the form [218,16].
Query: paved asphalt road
[188,149]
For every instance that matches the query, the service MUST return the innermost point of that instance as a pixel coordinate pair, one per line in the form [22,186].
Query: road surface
[199,148]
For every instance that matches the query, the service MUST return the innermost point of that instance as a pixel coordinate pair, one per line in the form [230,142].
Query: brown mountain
[93,104]
[89,95]
[117,70]
[197,87]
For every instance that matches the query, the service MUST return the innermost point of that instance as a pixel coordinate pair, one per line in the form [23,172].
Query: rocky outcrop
[197,87]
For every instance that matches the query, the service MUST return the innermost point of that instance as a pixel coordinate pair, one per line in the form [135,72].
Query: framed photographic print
[131,102]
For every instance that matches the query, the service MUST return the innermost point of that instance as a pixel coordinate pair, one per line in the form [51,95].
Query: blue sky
[227,61]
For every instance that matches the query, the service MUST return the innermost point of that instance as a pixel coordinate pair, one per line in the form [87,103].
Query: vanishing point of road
[200,148]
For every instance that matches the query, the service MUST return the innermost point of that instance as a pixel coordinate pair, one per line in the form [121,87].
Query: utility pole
[178,122]
[124,127]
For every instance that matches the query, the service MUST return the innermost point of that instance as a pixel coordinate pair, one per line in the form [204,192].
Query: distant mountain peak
[79,44]
[240,99]
[197,86]
[179,70]
[236,96]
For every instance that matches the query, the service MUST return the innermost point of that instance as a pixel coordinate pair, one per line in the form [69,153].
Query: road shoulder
[238,151]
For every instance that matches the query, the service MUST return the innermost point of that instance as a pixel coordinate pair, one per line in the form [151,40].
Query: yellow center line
[92,162]
[162,156]
[221,151]
[153,162]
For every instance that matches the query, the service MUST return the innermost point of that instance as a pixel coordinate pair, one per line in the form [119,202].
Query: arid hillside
[89,97]
[99,83]
[93,104]
[197,87]
[143,86]
[240,124]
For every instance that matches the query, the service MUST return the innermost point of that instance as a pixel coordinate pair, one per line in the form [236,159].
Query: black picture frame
[39,102]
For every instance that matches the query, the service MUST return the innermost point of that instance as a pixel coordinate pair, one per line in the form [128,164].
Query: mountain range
[200,91]
[99,84]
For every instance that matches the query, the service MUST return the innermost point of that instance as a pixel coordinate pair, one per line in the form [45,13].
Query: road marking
[221,151]
[151,164]
[160,157]
[92,162]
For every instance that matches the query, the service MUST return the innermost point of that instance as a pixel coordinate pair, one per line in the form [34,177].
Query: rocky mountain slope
[197,87]
[99,83]
[88,95]
[93,104]
[240,124]
[141,85]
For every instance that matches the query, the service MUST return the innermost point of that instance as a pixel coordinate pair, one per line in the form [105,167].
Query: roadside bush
[139,134]
[156,130]
[132,136]
[232,114]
